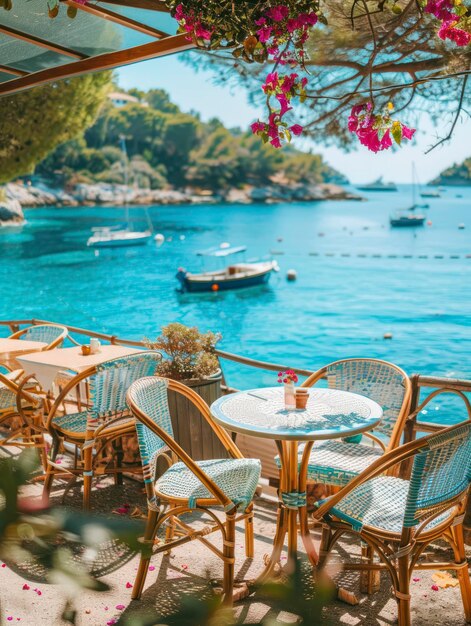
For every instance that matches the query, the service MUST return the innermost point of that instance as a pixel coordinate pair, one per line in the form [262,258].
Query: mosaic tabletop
[329,414]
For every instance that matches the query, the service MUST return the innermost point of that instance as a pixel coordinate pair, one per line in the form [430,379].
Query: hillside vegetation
[170,148]
[457,174]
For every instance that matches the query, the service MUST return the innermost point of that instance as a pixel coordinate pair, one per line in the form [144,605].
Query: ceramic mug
[94,345]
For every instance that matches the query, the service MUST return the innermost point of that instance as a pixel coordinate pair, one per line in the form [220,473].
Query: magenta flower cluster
[449,12]
[377,131]
[284,36]
[192,24]
[283,88]
[289,376]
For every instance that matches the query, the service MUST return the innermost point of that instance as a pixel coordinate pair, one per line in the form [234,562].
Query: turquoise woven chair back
[377,380]
[441,472]
[43,332]
[113,378]
[151,396]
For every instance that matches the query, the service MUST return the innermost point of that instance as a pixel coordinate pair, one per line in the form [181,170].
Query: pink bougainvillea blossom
[448,30]
[377,131]
[283,88]
[192,24]
[449,12]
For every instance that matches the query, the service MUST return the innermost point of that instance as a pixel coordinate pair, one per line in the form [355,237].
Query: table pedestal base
[292,508]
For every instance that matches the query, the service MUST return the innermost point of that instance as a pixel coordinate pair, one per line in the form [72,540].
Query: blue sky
[196,91]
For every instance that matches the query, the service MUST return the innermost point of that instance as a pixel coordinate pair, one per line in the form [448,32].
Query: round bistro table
[329,414]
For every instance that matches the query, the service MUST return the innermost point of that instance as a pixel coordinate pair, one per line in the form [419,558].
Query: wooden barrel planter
[190,429]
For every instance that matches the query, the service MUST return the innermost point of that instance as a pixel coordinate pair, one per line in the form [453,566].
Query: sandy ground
[186,572]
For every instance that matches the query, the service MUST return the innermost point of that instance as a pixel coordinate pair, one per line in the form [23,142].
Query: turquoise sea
[357,280]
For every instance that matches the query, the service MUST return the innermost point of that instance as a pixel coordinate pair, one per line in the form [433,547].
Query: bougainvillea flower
[296,129]
[448,30]
[279,13]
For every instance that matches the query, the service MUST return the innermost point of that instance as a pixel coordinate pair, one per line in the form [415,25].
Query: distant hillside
[168,148]
[455,175]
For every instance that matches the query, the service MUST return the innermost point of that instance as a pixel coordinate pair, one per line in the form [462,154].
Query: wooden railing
[436,385]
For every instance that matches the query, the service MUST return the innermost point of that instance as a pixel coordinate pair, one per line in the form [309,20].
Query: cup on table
[86,350]
[94,345]
[302,396]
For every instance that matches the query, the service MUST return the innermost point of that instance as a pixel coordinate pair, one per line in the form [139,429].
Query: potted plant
[188,355]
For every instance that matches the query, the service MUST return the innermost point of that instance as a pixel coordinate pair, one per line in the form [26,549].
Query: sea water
[357,280]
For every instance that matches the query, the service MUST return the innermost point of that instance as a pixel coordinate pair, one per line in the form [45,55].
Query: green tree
[159,100]
[33,123]
[181,134]
[139,125]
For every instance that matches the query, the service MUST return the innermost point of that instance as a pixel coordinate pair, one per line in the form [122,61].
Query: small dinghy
[234,276]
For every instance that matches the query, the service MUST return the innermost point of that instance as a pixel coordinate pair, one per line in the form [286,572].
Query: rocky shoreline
[19,195]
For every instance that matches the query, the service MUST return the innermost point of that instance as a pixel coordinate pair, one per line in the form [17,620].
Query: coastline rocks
[301,193]
[105,193]
[118,195]
[11,213]
[29,196]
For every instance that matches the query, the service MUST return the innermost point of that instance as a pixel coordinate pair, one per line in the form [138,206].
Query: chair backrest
[383,382]
[47,333]
[148,400]
[112,379]
[150,395]
[441,474]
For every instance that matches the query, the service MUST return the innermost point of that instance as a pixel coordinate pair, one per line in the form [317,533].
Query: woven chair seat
[380,503]
[238,478]
[72,422]
[8,399]
[336,462]
[77,422]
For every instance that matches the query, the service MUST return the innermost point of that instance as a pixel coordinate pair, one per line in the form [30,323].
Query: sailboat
[408,217]
[115,236]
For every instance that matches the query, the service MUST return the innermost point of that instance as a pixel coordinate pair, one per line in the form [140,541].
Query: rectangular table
[11,348]
[46,365]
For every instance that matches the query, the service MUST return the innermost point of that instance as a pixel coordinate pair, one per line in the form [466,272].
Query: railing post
[410,427]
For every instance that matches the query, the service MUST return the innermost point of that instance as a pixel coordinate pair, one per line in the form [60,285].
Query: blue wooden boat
[234,276]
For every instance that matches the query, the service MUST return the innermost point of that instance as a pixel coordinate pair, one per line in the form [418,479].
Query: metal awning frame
[80,63]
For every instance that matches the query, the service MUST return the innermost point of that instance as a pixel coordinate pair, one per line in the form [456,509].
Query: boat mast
[124,151]
[414,186]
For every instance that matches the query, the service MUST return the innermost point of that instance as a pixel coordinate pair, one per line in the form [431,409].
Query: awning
[36,49]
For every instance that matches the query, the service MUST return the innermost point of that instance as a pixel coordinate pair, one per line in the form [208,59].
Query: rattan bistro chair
[336,462]
[189,485]
[21,414]
[98,425]
[399,518]
[51,334]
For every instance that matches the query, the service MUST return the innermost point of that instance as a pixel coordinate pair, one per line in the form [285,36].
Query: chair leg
[169,532]
[149,535]
[324,548]
[249,537]
[463,573]
[119,455]
[369,579]
[49,470]
[229,556]
[403,593]
[87,477]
